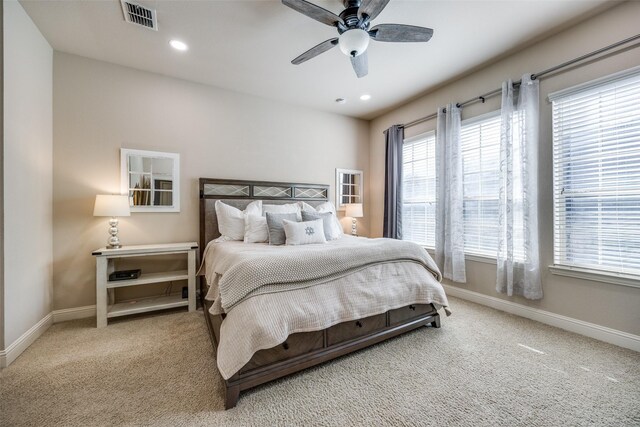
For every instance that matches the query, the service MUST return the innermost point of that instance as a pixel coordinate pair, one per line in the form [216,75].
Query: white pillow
[286,208]
[231,220]
[306,207]
[255,229]
[223,239]
[326,207]
[337,227]
[304,233]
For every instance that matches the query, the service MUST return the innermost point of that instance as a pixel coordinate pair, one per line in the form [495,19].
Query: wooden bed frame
[300,350]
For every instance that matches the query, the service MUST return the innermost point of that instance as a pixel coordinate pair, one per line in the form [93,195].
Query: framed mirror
[151,179]
[348,187]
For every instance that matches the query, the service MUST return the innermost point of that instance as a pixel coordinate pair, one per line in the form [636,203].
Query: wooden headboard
[241,193]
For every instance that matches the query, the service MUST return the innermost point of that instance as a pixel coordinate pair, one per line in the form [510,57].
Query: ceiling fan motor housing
[351,20]
[351,3]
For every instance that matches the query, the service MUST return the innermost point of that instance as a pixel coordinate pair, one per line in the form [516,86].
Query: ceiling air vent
[140,15]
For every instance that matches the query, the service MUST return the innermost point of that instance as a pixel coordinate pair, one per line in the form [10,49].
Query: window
[596,154]
[480,140]
[419,189]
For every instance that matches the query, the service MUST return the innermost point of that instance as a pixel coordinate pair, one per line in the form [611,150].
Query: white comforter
[265,320]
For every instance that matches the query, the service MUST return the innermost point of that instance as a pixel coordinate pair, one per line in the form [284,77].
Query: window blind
[419,189]
[596,152]
[480,139]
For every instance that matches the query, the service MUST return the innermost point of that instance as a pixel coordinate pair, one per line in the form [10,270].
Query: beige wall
[609,305]
[2,346]
[27,173]
[101,107]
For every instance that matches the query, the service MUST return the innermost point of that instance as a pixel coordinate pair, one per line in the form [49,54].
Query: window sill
[467,257]
[595,275]
[480,258]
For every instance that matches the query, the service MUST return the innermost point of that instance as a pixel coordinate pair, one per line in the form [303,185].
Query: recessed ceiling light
[341,100]
[178,45]
[365,97]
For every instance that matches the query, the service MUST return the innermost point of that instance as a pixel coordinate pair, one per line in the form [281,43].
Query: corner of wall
[26,277]
[2,347]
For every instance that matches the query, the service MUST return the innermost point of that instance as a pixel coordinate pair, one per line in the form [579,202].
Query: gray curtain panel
[394,137]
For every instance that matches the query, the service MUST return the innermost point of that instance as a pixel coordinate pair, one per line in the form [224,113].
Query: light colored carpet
[475,370]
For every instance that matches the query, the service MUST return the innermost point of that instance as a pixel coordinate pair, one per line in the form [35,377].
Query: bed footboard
[304,350]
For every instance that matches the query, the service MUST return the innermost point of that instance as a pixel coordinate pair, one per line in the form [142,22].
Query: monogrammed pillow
[336,227]
[327,220]
[304,233]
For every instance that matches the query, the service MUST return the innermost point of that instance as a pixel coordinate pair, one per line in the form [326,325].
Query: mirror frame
[125,153]
[339,205]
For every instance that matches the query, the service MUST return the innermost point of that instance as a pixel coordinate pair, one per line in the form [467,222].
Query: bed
[265,325]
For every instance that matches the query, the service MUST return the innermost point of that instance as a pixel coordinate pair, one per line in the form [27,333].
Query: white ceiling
[247,46]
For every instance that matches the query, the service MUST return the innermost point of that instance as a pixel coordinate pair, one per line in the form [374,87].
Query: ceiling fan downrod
[350,18]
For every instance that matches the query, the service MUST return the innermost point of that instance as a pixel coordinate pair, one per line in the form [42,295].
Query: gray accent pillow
[276,228]
[327,221]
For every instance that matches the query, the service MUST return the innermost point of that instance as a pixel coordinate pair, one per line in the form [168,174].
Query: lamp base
[114,241]
[354,232]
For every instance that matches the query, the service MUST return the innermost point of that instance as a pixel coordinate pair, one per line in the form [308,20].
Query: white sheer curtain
[449,200]
[518,269]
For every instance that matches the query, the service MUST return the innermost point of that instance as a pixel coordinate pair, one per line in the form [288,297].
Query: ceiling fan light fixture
[354,42]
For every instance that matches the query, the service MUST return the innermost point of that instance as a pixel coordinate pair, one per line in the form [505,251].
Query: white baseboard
[74,313]
[602,333]
[18,346]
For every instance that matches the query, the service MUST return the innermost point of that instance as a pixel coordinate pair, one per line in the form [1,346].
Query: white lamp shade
[354,210]
[111,205]
[353,42]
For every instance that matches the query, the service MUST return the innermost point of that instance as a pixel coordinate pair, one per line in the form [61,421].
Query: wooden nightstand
[105,265]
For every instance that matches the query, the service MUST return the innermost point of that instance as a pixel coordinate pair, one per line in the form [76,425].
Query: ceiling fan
[353,28]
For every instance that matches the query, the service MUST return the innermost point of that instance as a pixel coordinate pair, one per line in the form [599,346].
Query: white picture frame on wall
[151,179]
[349,188]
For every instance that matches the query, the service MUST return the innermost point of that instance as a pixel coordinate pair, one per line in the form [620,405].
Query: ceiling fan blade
[360,64]
[314,12]
[400,33]
[315,51]
[371,8]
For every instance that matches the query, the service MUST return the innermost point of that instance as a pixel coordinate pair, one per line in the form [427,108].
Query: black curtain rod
[534,76]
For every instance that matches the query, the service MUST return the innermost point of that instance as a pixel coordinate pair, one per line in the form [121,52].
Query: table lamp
[354,210]
[112,206]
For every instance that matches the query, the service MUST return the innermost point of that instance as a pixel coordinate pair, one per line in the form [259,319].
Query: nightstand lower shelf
[143,305]
[147,278]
